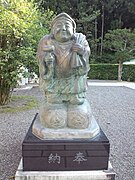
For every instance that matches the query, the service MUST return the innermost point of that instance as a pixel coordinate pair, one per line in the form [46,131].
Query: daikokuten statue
[70,54]
[63,58]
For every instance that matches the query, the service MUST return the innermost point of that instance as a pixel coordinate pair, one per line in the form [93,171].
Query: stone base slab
[65,133]
[64,175]
[65,155]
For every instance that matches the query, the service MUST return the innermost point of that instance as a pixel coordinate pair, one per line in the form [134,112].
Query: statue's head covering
[62,16]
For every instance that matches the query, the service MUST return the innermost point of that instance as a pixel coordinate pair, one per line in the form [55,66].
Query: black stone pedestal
[65,155]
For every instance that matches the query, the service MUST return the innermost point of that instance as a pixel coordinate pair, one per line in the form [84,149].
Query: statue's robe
[70,68]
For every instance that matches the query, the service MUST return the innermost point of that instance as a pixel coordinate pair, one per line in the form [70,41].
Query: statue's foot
[79,117]
[53,115]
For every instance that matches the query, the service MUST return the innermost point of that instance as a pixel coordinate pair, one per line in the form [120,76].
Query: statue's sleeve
[86,55]
[43,43]
[41,53]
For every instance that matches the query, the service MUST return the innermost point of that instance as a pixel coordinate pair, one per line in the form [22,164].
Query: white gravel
[114,109]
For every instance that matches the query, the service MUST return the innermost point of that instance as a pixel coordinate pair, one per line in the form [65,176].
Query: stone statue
[71,62]
[63,58]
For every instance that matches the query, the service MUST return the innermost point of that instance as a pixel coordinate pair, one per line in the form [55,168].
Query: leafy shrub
[21,27]
[110,72]
[103,71]
[128,73]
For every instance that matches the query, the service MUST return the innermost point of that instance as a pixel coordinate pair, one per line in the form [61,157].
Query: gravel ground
[114,109]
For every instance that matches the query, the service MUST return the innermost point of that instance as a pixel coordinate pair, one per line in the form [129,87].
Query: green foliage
[39,27]
[103,71]
[85,19]
[128,73]
[109,72]
[105,58]
[21,27]
[89,15]
[121,42]
[123,14]
[82,11]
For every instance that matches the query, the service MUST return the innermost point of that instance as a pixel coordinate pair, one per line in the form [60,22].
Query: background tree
[20,28]
[84,12]
[120,42]
[95,17]
[22,24]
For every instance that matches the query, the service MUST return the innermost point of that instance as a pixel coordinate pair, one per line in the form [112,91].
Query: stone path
[112,83]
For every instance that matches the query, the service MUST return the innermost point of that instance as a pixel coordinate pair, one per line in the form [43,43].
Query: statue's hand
[78,48]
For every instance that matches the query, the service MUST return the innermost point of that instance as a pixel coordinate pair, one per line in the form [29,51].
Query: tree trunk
[120,66]
[102,30]
[96,36]
[120,22]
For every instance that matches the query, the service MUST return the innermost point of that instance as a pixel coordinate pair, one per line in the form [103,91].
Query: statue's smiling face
[63,30]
